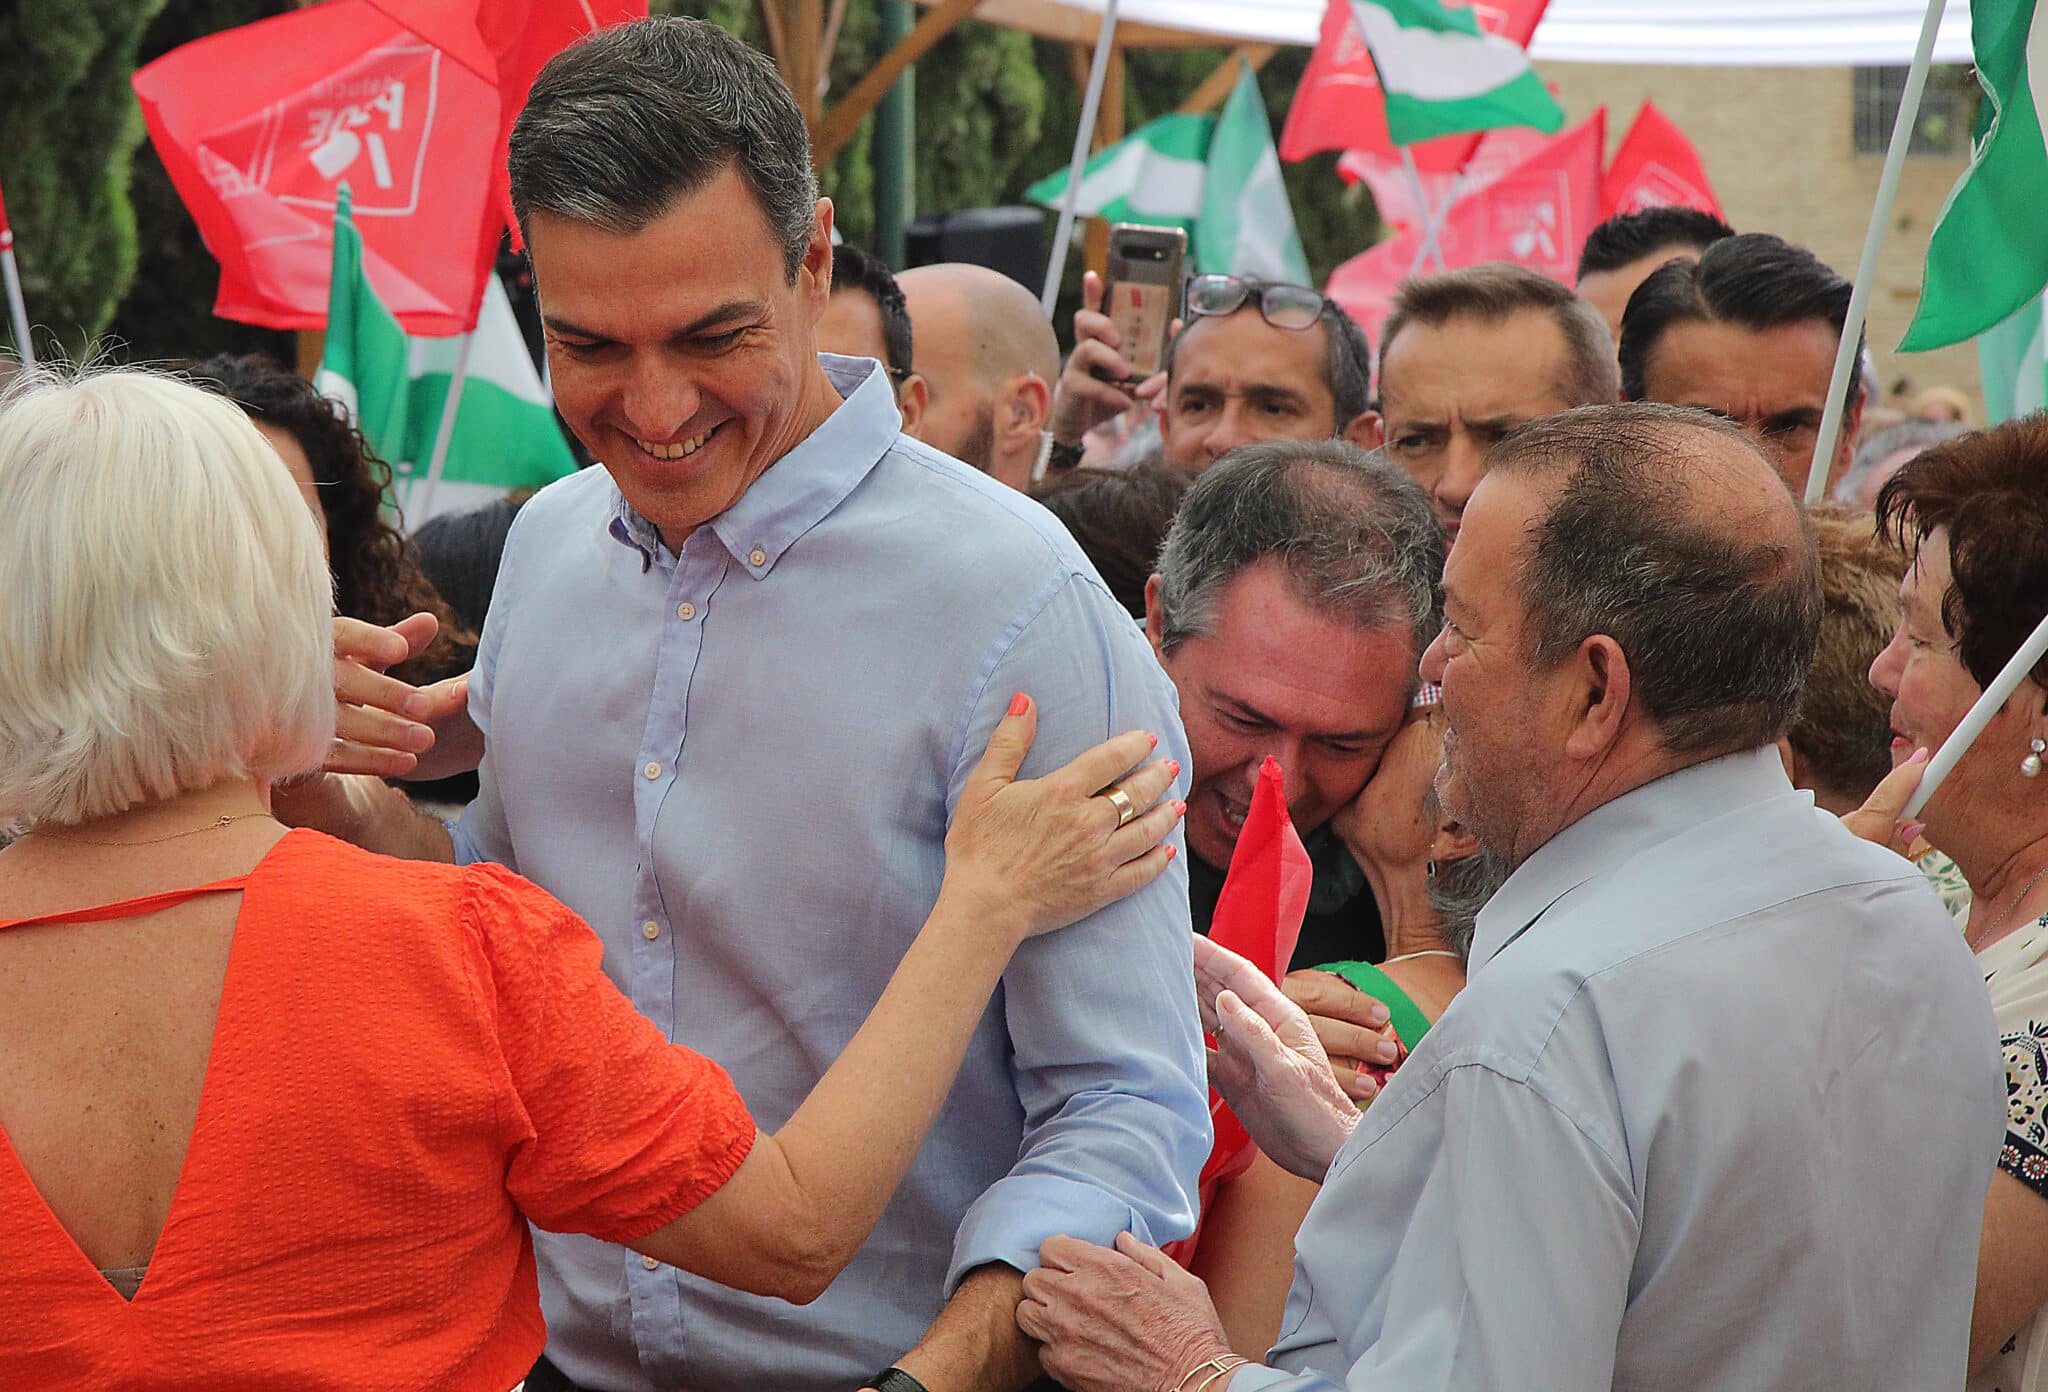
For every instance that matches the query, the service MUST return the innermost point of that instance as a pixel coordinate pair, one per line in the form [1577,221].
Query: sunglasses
[1293,307]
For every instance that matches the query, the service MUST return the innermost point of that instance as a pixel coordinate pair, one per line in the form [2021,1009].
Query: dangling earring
[2030,767]
[1429,867]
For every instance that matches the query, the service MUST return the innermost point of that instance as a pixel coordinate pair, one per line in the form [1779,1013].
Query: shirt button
[757,557]
[650,930]
[652,770]
[650,1263]
[686,612]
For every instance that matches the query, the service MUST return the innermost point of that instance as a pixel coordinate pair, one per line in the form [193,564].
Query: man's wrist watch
[896,1380]
[1061,456]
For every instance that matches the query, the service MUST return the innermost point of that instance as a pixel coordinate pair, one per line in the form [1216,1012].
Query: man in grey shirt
[1721,1103]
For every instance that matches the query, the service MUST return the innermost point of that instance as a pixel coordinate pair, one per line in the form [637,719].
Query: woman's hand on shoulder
[1040,853]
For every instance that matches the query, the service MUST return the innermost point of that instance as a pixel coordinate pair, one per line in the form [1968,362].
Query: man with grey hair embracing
[1720,1103]
[1294,596]
[731,686]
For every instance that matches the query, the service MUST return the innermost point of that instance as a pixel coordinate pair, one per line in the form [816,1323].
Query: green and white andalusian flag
[394,387]
[1443,75]
[1154,176]
[1245,226]
[1215,177]
[1987,257]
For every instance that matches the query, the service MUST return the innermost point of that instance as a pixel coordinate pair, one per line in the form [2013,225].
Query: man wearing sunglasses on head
[1255,360]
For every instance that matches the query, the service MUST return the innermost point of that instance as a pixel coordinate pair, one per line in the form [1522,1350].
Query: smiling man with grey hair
[1295,593]
[731,687]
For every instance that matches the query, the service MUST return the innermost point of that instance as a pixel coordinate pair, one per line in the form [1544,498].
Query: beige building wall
[1779,145]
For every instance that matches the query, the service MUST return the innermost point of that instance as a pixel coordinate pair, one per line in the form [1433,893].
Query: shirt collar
[1617,830]
[803,487]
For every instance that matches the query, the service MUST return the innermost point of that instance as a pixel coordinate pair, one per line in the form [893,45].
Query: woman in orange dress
[276,1112]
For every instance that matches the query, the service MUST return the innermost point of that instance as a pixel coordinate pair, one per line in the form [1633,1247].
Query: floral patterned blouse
[2016,975]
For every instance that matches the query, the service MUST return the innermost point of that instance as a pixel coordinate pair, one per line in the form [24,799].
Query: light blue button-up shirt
[1718,1110]
[738,764]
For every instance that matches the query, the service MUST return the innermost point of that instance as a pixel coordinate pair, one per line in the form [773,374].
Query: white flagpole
[1866,269]
[17,312]
[1432,218]
[421,497]
[1995,696]
[1056,264]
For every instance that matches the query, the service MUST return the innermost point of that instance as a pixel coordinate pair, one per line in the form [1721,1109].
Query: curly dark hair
[377,575]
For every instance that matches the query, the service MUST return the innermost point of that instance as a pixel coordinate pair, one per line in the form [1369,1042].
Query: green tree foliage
[71,128]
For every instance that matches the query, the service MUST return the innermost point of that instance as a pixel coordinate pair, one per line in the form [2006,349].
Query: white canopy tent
[1699,33]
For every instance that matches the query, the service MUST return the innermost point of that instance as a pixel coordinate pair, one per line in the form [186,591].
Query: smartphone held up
[1143,292]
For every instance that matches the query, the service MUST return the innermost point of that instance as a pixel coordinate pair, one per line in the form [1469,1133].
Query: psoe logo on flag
[1656,185]
[1532,221]
[369,124]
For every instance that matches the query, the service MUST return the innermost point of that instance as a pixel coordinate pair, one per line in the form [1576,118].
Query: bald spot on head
[970,316]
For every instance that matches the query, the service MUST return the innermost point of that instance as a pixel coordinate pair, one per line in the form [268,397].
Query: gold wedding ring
[1121,801]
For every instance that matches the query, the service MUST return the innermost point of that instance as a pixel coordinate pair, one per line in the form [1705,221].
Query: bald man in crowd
[988,359]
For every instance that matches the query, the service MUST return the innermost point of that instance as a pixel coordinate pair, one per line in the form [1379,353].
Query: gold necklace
[2006,912]
[214,825]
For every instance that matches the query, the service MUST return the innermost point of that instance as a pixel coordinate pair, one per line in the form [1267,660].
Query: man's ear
[1365,430]
[1029,405]
[817,265]
[1155,618]
[913,395]
[1452,842]
[1600,688]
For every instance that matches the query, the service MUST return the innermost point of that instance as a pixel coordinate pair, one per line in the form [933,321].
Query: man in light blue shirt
[1720,1104]
[730,688]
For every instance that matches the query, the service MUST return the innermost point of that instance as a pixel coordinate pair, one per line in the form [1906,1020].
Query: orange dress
[411,1062]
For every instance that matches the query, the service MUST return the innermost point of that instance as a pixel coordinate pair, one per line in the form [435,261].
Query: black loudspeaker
[1010,240]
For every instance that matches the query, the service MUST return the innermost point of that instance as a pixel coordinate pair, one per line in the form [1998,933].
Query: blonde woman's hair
[164,603]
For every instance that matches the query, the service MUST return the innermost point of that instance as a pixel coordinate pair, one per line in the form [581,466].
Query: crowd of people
[812,989]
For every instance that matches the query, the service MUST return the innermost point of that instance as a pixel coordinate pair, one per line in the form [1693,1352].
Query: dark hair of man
[1629,237]
[1844,727]
[1354,533]
[1989,490]
[1120,518]
[1495,292]
[1347,356]
[854,269]
[1753,280]
[1718,618]
[632,118]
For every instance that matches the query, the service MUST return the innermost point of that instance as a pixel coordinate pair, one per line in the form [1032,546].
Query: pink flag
[1656,167]
[1498,151]
[1535,215]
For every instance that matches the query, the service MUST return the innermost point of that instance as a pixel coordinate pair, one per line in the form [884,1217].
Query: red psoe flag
[1339,106]
[507,43]
[1656,167]
[1537,214]
[259,125]
[1258,916]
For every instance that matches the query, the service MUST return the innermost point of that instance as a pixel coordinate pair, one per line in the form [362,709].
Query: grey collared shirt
[1718,1110]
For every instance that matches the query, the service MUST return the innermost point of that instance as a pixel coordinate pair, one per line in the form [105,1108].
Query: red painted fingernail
[1920,756]
[1180,809]
[1173,768]
[1154,739]
[1019,704]
[1171,853]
